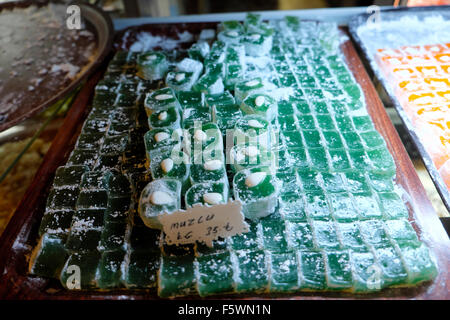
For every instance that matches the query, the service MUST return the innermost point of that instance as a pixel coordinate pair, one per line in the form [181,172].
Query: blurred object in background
[417,3]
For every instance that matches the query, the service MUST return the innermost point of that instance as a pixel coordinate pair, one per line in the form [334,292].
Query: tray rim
[101,54]
[11,290]
[353,25]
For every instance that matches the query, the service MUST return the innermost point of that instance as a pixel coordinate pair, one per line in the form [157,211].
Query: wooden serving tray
[21,234]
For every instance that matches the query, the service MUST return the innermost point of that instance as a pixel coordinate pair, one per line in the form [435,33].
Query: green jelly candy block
[312,138]
[252,275]
[109,273]
[210,170]
[233,73]
[62,199]
[222,100]
[289,182]
[350,236]
[56,222]
[180,80]
[333,182]
[365,272]
[83,157]
[381,161]
[248,240]
[204,138]
[356,182]
[353,140]
[191,99]
[363,123]
[79,270]
[244,88]
[326,122]
[117,209]
[319,159]
[69,176]
[401,230]
[284,272]
[229,36]
[170,162]
[144,238]
[152,65]
[260,104]
[176,276]
[373,233]
[340,161]
[159,197]
[273,234]
[115,145]
[393,206]
[288,123]
[257,44]
[92,199]
[372,140]
[198,51]
[342,206]
[317,206]
[218,246]
[169,118]
[210,83]
[89,141]
[333,140]
[161,99]
[381,183]
[418,262]
[344,123]
[367,206]
[195,116]
[248,155]
[393,271]
[325,236]
[339,273]
[312,268]
[81,238]
[48,256]
[310,180]
[113,236]
[292,207]
[253,128]
[215,274]
[299,235]
[141,269]
[209,193]
[231,25]
[258,190]
[306,122]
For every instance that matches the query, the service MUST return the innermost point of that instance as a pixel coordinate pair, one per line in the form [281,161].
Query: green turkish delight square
[141,269]
[325,122]
[253,129]
[62,199]
[69,176]
[418,261]
[194,116]
[273,234]
[56,222]
[199,50]
[381,161]
[180,80]
[79,270]
[83,239]
[248,155]
[92,199]
[246,87]
[152,65]
[252,273]
[209,193]
[363,123]
[340,161]
[306,122]
[333,139]
[365,272]
[319,159]
[292,207]
[380,182]
[353,140]
[170,162]
[117,209]
[317,206]
[215,274]
[176,276]
[160,99]
[299,235]
[356,182]
[233,73]
[333,182]
[302,106]
[113,236]
[342,206]
[284,272]
[260,104]
[168,118]
[95,126]
[83,157]
[309,180]
[115,145]
[344,123]
[257,44]
[401,230]
[191,99]
[372,140]
[203,138]
[374,233]
[339,271]
[49,256]
[350,236]
[109,271]
[248,240]
[393,270]
[393,206]
[289,181]
[324,234]
[218,246]
[312,268]
[367,206]
[162,137]
[210,83]
[144,238]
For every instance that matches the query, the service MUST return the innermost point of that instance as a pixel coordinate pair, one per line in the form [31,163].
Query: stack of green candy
[338,224]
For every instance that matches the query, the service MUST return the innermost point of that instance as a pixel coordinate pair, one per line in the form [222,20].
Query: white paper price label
[204,223]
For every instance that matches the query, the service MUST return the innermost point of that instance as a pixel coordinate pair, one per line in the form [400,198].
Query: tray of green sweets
[289,133]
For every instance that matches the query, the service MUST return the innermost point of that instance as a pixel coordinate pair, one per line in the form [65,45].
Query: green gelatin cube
[312,138]
[393,206]
[339,274]
[56,222]
[210,83]
[317,206]
[48,257]
[363,123]
[393,271]
[142,269]
[332,139]
[252,271]
[79,270]
[168,118]
[119,186]
[95,180]
[353,140]
[367,206]
[113,236]
[342,207]
[288,123]
[289,181]
[356,182]
[193,115]
[260,104]
[292,207]
[83,157]
[191,99]
[224,99]
[325,122]
[344,123]
[117,209]
[372,140]
[312,267]
[144,238]
[418,262]
[92,218]
[180,80]
[176,276]
[115,145]
[285,108]
[215,274]
[350,236]
[299,235]
[310,180]
[218,246]
[284,272]
[306,122]
[244,88]
[62,199]
[333,182]
[340,161]
[160,99]
[273,234]
[248,155]
[169,162]
[302,107]
[320,108]
[90,199]
[152,65]
[208,193]
[83,239]
[382,161]
[203,138]
[401,230]
[325,236]
[232,25]
[319,160]
[109,273]
[381,183]
[234,72]
[163,137]
[373,233]
[248,240]
[298,158]
[90,141]
[365,271]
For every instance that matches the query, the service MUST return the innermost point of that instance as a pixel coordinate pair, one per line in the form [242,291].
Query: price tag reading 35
[204,223]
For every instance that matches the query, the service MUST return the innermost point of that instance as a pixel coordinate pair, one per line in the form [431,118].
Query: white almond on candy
[161,198]
[252,83]
[167,165]
[212,198]
[254,179]
[152,57]
[161,136]
[255,36]
[200,135]
[180,77]
[232,33]
[259,101]
[255,123]
[163,97]
[162,116]
[213,165]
